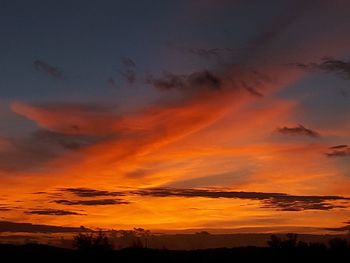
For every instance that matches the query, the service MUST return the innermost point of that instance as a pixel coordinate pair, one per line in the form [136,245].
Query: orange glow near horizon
[226,141]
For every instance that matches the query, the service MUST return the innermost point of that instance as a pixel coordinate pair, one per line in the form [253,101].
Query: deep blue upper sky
[86,39]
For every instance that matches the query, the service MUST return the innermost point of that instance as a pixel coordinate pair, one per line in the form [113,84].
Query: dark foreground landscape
[44,253]
[98,249]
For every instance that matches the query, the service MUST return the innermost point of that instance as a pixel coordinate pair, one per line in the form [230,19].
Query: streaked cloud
[48,69]
[278,201]
[298,130]
[51,212]
[8,226]
[129,76]
[239,77]
[339,151]
[88,192]
[92,202]
[343,228]
[203,79]
[328,65]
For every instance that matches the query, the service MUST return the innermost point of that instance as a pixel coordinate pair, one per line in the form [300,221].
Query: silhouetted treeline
[96,247]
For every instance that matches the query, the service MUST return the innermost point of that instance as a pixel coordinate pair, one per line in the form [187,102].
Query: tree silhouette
[274,242]
[142,233]
[92,241]
[290,242]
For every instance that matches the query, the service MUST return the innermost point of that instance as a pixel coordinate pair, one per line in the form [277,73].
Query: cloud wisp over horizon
[278,201]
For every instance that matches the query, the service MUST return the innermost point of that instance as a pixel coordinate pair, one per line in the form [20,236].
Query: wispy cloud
[70,118]
[37,148]
[93,202]
[48,69]
[346,227]
[328,65]
[51,212]
[203,79]
[5,209]
[129,76]
[298,130]
[67,141]
[339,151]
[7,226]
[278,201]
[88,192]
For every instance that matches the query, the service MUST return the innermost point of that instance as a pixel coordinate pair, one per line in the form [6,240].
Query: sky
[174,115]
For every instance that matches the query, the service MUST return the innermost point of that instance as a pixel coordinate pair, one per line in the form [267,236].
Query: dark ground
[43,253]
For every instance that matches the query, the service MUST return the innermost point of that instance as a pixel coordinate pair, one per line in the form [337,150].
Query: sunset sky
[173,115]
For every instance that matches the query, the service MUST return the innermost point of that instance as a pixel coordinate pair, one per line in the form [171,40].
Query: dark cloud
[298,130]
[328,65]
[87,124]
[129,76]
[252,91]
[51,212]
[7,226]
[41,146]
[88,192]
[91,202]
[278,201]
[296,203]
[249,78]
[201,79]
[39,193]
[128,62]
[339,151]
[52,71]
[67,141]
[239,77]
[346,227]
[341,146]
[205,78]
